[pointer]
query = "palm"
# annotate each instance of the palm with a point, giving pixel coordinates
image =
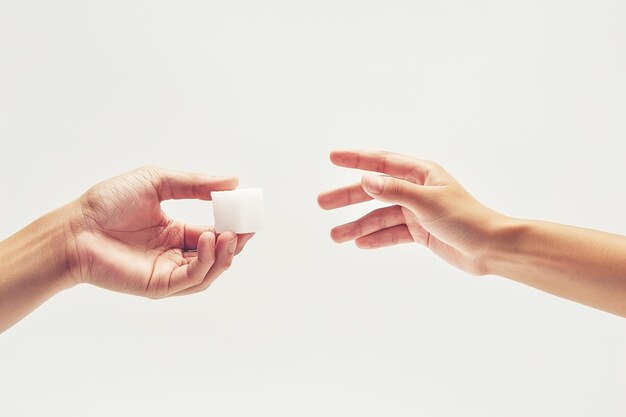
(134, 246)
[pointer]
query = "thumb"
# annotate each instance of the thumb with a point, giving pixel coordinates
(393, 190)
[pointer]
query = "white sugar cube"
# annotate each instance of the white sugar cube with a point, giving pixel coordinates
(238, 211)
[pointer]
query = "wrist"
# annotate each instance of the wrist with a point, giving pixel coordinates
(38, 254)
(71, 219)
(505, 244)
(57, 245)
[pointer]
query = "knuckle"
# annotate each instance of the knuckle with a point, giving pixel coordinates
(394, 188)
(435, 166)
(359, 227)
(92, 203)
(382, 222)
(381, 154)
(147, 170)
(433, 169)
(150, 173)
(92, 196)
(382, 157)
(349, 197)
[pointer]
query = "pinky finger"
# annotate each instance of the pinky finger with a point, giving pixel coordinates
(386, 237)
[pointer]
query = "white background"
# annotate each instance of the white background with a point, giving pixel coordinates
(523, 101)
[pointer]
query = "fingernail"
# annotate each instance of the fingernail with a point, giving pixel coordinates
(232, 245)
(374, 183)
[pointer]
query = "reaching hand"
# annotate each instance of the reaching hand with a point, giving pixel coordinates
(428, 207)
(122, 241)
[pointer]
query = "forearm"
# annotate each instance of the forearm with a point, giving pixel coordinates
(583, 265)
(34, 266)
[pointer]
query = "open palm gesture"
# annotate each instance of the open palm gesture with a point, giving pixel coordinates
(428, 206)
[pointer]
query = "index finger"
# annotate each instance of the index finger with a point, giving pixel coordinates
(176, 185)
(393, 164)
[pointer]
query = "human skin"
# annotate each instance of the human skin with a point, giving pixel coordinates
(429, 207)
(116, 236)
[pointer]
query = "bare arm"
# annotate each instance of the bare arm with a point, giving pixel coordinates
(583, 265)
(33, 267)
(428, 206)
(117, 237)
